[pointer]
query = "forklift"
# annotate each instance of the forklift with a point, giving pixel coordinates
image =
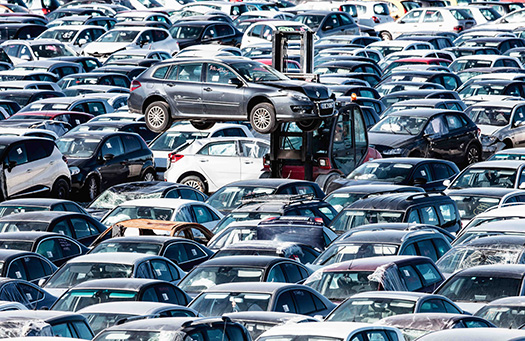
(336, 146)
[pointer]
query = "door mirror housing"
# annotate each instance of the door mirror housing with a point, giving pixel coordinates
(420, 181)
(446, 183)
(326, 28)
(108, 157)
(41, 282)
(82, 41)
(235, 81)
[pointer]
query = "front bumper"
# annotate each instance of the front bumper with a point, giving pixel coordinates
(291, 109)
(489, 149)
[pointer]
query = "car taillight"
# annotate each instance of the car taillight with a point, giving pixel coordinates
(324, 163)
(375, 19)
(175, 157)
(45, 11)
(458, 28)
(135, 85)
(266, 162)
(64, 158)
(479, 132)
(318, 220)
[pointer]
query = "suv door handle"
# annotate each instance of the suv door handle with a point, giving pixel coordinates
(52, 162)
(207, 89)
(203, 160)
(170, 84)
(29, 170)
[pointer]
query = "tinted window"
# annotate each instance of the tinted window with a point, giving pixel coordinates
(113, 146)
(276, 274)
(131, 143)
(412, 280)
(39, 149)
(285, 303)
(62, 227)
(81, 228)
(304, 301)
(18, 154)
(160, 268)
(176, 252)
(426, 248)
(429, 215)
(430, 273)
(17, 270)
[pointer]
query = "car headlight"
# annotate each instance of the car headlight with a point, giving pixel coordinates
(74, 170)
(395, 151)
(298, 96)
(485, 139)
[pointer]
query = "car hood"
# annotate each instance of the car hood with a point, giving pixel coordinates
(488, 129)
(389, 140)
(75, 162)
(313, 91)
(97, 48)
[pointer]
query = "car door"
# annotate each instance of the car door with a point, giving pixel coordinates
(135, 155)
(408, 23)
(460, 136)
(185, 255)
(183, 86)
(221, 93)
(114, 166)
(252, 154)
(41, 164)
(58, 250)
(17, 169)
(220, 162)
(517, 127)
(437, 134)
(432, 20)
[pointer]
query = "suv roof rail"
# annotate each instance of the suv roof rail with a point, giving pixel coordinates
(285, 198)
(425, 195)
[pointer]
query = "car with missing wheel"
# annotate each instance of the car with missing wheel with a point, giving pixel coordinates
(228, 88)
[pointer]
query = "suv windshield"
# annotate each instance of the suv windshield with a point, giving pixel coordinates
(485, 177)
(77, 147)
(370, 310)
(349, 219)
(480, 288)
(493, 116)
(217, 304)
(402, 124)
(116, 36)
(203, 278)
(384, 171)
(257, 72)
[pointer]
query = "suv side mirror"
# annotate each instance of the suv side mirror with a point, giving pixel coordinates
(41, 282)
(206, 37)
(143, 42)
(326, 28)
(108, 157)
(81, 42)
(235, 81)
(446, 183)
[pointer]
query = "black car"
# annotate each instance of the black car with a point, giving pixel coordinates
(439, 42)
(254, 268)
(25, 205)
(224, 89)
(25, 265)
(88, 63)
(406, 95)
(119, 289)
(493, 87)
(58, 248)
(188, 33)
(26, 293)
(75, 225)
(184, 252)
(428, 174)
(470, 51)
(125, 126)
(341, 196)
(98, 160)
(443, 134)
(61, 324)
(426, 208)
(26, 31)
(347, 67)
(116, 195)
(228, 197)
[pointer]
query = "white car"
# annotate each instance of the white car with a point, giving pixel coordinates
(426, 19)
(262, 32)
(342, 331)
(482, 14)
(74, 36)
(151, 38)
(209, 164)
(372, 13)
(164, 209)
(388, 47)
(33, 165)
(28, 50)
(181, 133)
(484, 61)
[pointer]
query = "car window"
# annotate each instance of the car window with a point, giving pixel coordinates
(430, 273)
(292, 272)
(276, 274)
(304, 301)
(62, 227)
(190, 72)
(412, 17)
(432, 306)
(83, 330)
(436, 127)
(412, 280)
(448, 212)
(429, 215)
(224, 30)
(441, 246)
(144, 271)
(150, 295)
(442, 171)
(72, 208)
(413, 217)
(131, 143)
(39, 149)
(285, 303)
(17, 154)
(451, 309)
(202, 214)
(161, 271)
(475, 324)
(81, 228)
(410, 250)
(453, 122)
(226, 148)
(193, 251)
(256, 31)
(426, 248)
(423, 172)
(344, 20)
(63, 330)
(216, 73)
(432, 16)
(112, 146)
(17, 270)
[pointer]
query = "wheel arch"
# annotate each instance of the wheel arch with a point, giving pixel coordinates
(195, 173)
(155, 98)
(256, 100)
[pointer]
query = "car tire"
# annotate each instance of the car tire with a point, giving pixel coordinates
(262, 118)
(202, 125)
(385, 35)
(309, 125)
(157, 116)
(92, 188)
(194, 181)
(60, 189)
(149, 176)
(472, 155)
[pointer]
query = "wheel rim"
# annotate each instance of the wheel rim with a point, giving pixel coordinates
(262, 118)
(385, 36)
(92, 188)
(195, 184)
(473, 155)
(156, 116)
(149, 177)
(61, 192)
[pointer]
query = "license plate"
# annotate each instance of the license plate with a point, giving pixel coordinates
(327, 105)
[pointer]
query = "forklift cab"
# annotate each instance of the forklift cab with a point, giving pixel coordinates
(336, 148)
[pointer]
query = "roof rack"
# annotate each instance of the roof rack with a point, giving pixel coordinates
(426, 195)
(396, 191)
(284, 198)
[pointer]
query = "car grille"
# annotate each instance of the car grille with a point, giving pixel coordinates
(325, 108)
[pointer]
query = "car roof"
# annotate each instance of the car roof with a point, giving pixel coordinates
(266, 316)
(513, 164)
(510, 225)
(133, 307)
(512, 150)
(29, 235)
(40, 202)
(518, 301)
(404, 295)
(385, 236)
(46, 315)
(483, 191)
(500, 242)
(40, 216)
(161, 202)
(504, 104)
(340, 330)
(370, 263)
(134, 284)
(396, 201)
(423, 321)
(422, 112)
(516, 271)
(255, 261)
(128, 258)
(260, 245)
(260, 287)
(143, 239)
(475, 334)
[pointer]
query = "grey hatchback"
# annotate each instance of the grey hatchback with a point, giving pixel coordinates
(223, 89)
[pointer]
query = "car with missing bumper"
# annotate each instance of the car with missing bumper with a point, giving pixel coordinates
(229, 88)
